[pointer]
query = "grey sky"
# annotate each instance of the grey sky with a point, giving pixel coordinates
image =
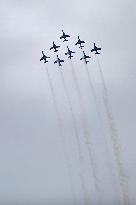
(32, 165)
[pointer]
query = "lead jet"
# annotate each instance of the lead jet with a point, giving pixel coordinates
(95, 49)
(59, 61)
(64, 36)
(69, 53)
(54, 47)
(44, 58)
(79, 42)
(85, 57)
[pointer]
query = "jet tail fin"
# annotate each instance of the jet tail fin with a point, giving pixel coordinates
(65, 40)
(97, 53)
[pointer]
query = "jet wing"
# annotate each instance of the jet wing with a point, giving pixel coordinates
(42, 59)
(82, 42)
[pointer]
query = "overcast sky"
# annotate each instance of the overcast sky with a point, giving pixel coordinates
(33, 169)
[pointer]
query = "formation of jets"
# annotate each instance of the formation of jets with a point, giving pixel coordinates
(69, 53)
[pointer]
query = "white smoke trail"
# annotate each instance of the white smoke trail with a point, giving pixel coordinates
(97, 107)
(60, 126)
(107, 151)
(115, 140)
(87, 136)
(81, 161)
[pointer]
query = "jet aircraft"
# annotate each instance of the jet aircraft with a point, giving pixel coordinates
(79, 42)
(44, 58)
(64, 36)
(59, 61)
(69, 53)
(95, 49)
(54, 47)
(85, 57)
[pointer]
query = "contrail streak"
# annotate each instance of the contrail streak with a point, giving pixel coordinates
(110, 166)
(115, 140)
(87, 135)
(83, 185)
(60, 126)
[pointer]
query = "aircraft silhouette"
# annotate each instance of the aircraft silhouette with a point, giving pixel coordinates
(95, 49)
(79, 42)
(64, 36)
(54, 47)
(69, 53)
(59, 61)
(85, 57)
(44, 58)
